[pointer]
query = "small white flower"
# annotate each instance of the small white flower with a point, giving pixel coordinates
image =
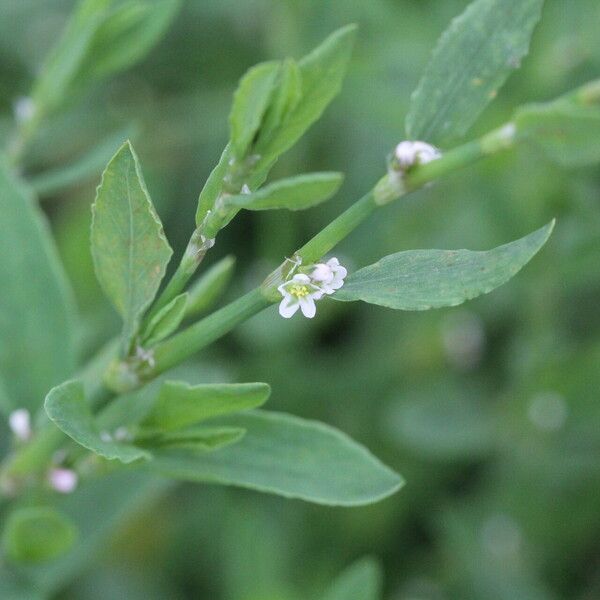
(329, 276)
(19, 422)
(63, 480)
(409, 153)
(299, 293)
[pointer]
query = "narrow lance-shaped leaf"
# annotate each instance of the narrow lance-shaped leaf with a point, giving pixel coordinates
(206, 291)
(125, 36)
(99, 40)
(179, 404)
(304, 91)
(67, 407)
(285, 98)
(63, 63)
(213, 185)
(250, 103)
(36, 534)
(424, 279)
(470, 63)
(360, 580)
(321, 74)
(37, 341)
(566, 129)
(288, 456)
(166, 321)
(128, 244)
(293, 193)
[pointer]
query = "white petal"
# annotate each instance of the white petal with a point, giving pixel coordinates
(322, 272)
(318, 294)
(308, 307)
(333, 262)
(288, 308)
(301, 278)
(340, 272)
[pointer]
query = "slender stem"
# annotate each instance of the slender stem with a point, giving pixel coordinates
(194, 254)
(178, 348)
(338, 229)
(183, 345)
(207, 330)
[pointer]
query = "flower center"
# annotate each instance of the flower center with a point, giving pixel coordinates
(299, 290)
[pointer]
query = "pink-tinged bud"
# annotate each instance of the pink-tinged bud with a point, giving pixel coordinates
(63, 481)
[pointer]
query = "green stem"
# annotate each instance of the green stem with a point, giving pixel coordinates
(392, 186)
(194, 254)
(338, 229)
(183, 345)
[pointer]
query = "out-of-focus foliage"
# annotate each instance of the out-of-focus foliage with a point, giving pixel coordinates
(490, 411)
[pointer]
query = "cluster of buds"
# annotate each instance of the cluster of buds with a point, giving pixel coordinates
(59, 478)
(302, 290)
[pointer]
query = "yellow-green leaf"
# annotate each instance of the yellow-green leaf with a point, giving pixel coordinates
(166, 321)
(250, 102)
(179, 404)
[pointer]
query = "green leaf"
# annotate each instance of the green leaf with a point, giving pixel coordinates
(470, 63)
(128, 244)
(360, 580)
(179, 404)
(284, 98)
(287, 94)
(569, 133)
(250, 102)
(37, 345)
(291, 457)
(99, 40)
(60, 69)
(293, 193)
(125, 36)
(213, 185)
(424, 279)
(68, 409)
(202, 439)
(166, 321)
(321, 74)
(37, 534)
(205, 292)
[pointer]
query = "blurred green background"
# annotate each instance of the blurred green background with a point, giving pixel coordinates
(491, 411)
